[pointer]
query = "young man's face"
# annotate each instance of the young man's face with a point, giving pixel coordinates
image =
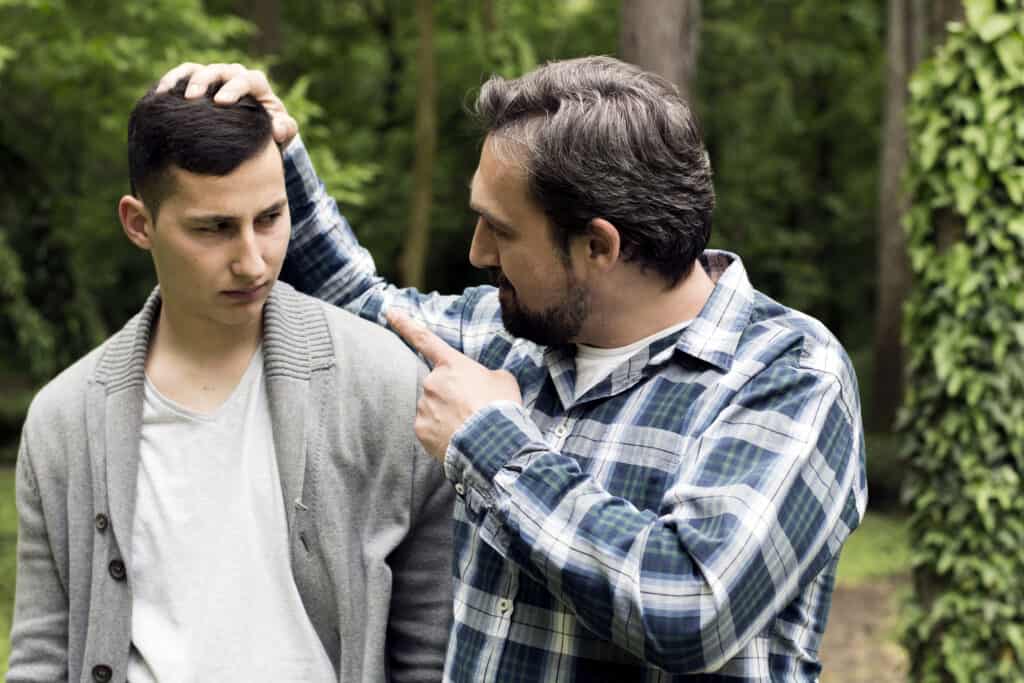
(541, 298)
(219, 241)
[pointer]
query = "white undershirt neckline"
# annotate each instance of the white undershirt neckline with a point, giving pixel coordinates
(594, 363)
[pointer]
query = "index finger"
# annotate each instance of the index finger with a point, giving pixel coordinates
(179, 72)
(202, 78)
(434, 349)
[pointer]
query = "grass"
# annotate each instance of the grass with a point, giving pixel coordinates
(8, 537)
(879, 547)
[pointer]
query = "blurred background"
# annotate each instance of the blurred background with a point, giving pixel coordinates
(804, 106)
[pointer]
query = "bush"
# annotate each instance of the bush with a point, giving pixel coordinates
(963, 418)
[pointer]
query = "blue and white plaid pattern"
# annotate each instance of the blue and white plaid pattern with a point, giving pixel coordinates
(684, 516)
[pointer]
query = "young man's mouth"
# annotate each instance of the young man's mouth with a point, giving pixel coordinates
(248, 293)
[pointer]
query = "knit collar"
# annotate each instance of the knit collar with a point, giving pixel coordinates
(296, 340)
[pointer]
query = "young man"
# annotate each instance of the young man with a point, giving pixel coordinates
(656, 465)
(229, 488)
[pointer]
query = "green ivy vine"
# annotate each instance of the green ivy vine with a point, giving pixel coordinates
(963, 417)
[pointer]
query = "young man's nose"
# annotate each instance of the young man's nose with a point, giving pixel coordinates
(248, 259)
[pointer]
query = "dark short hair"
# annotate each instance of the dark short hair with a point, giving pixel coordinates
(600, 138)
(165, 130)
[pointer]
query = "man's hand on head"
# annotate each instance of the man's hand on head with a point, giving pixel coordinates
(238, 81)
(456, 388)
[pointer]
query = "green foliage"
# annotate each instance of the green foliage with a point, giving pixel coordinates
(358, 64)
(71, 71)
(963, 419)
(790, 96)
(14, 402)
(76, 69)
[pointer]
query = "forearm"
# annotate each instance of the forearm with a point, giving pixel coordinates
(325, 260)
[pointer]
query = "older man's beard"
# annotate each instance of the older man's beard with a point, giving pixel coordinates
(553, 326)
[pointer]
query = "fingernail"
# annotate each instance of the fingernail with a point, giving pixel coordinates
(191, 90)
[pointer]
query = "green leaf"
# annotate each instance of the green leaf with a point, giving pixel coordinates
(978, 12)
(1016, 228)
(6, 54)
(1010, 51)
(996, 25)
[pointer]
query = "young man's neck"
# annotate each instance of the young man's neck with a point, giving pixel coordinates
(633, 305)
(197, 363)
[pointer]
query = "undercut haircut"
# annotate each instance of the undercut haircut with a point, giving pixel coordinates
(167, 131)
(600, 138)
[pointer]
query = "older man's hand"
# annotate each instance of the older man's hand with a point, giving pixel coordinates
(456, 388)
(238, 81)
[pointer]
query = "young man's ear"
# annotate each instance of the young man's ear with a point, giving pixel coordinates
(601, 243)
(136, 221)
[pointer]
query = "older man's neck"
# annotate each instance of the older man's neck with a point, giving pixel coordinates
(633, 305)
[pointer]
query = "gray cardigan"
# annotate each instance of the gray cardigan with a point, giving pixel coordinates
(369, 513)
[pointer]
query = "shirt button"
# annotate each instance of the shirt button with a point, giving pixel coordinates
(561, 431)
(460, 489)
(101, 673)
(504, 606)
(117, 571)
(102, 522)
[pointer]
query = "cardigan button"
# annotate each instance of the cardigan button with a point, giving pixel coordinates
(102, 522)
(117, 570)
(101, 673)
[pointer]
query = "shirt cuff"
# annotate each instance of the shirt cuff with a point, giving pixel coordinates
(496, 437)
(301, 182)
(293, 149)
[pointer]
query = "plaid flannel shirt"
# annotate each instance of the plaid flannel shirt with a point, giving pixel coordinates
(682, 517)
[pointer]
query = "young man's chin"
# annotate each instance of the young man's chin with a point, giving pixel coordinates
(233, 312)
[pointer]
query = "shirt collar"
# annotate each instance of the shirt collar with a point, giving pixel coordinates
(711, 337)
(715, 333)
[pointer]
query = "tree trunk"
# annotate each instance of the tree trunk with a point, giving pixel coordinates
(914, 28)
(414, 256)
(662, 36)
(266, 14)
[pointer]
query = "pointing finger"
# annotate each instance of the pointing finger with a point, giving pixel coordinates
(434, 349)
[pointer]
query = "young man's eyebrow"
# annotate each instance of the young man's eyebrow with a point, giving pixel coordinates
(224, 218)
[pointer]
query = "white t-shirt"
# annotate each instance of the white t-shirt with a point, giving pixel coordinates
(593, 363)
(213, 597)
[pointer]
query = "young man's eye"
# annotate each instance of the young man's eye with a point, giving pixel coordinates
(269, 218)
